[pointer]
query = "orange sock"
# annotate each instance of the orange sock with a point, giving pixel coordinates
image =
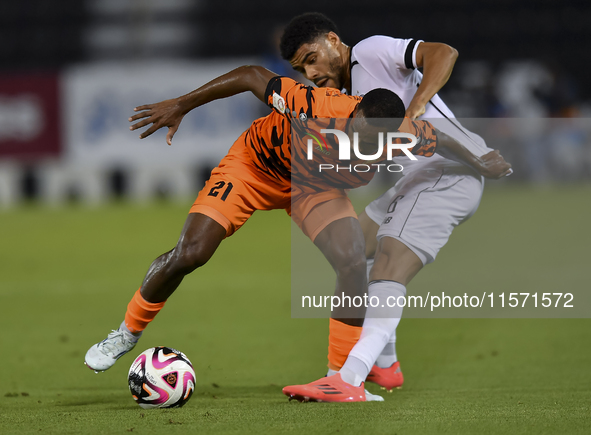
(140, 312)
(341, 339)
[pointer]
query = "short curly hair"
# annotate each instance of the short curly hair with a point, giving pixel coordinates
(304, 29)
(382, 104)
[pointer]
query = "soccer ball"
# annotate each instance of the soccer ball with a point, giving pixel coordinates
(161, 377)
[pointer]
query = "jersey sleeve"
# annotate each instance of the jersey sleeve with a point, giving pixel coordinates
(290, 98)
(393, 52)
(426, 136)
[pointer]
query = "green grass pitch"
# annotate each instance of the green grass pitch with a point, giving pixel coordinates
(67, 275)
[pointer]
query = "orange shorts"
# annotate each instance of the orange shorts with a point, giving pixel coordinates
(236, 188)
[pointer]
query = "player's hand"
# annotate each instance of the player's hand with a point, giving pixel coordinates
(414, 111)
(167, 113)
(493, 165)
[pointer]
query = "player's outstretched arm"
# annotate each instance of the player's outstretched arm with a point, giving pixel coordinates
(491, 165)
(437, 61)
(170, 113)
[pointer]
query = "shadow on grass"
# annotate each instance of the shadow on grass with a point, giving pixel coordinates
(122, 399)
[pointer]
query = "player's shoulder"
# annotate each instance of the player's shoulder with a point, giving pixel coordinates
(333, 92)
(299, 90)
(291, 98)
(372, 41)
(279, 84)
(330, 102)
(278, 88)
(378, 43)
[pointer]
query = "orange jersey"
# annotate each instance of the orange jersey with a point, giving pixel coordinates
(269, 138)
(270, 144)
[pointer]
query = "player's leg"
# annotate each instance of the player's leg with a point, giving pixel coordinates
(348, 384)
(344, 333)
(332, 225)
(342, 244)
(381, 319)
(380, 322)
(370, 228)
(329, 220)
(335, 230)
(370, 220)
(200, 237)
(394, 267)
(418, 222)
(370, 231)
(230, 196)
(396, 263)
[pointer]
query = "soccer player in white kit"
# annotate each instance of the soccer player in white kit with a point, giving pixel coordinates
(407, 226)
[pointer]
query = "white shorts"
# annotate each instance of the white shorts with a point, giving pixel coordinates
(424, 207)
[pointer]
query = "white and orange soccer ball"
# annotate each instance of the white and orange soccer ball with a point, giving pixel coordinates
(161, 377)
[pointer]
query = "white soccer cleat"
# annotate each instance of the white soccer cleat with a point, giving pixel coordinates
(372, 397)
(104, 355)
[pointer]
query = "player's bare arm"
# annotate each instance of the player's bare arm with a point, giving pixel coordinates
(491, 165)
(170, 113)
(437, 61)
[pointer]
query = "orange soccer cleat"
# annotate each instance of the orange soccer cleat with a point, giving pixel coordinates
(327, 389)
(386, 378)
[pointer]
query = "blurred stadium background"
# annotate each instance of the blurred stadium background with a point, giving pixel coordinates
(72, 71)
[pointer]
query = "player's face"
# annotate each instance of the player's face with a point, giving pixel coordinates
(320, 62)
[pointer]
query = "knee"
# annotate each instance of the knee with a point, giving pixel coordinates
(386, 267)
(352, 262)
(394, 261)
(186, 257)
(382, 263)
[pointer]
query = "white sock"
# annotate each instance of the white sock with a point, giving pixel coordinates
(388, 355)
(354, 371)
(123, 327)
(380, 322)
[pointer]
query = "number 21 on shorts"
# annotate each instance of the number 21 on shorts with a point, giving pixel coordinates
(215, 190)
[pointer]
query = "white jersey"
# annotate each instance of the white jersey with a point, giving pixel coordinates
(390, 63)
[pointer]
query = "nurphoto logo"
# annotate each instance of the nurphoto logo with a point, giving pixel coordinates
(393, 142)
